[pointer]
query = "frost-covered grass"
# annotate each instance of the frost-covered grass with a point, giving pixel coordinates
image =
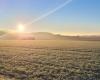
(50, 60)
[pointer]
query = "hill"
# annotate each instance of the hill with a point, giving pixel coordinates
(2, 32)
(45, 36)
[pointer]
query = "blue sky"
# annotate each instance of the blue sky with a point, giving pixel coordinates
(78, 17)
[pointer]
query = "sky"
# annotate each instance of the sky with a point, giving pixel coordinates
(76, 18)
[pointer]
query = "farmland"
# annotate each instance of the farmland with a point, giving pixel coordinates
(49, 60)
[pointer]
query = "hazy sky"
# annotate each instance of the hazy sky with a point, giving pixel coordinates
(78, 17)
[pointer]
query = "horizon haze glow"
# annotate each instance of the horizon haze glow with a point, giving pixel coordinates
(79, 17)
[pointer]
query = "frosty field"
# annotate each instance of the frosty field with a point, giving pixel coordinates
(49, 60)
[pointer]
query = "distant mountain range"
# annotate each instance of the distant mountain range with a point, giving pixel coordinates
(44, 36)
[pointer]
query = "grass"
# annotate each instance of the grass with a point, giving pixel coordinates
(49, 60)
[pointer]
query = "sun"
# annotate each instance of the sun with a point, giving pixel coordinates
(21, 28)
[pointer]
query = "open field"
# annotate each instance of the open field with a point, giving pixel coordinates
(49, 60)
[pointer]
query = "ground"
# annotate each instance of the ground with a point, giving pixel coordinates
(49, 60)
